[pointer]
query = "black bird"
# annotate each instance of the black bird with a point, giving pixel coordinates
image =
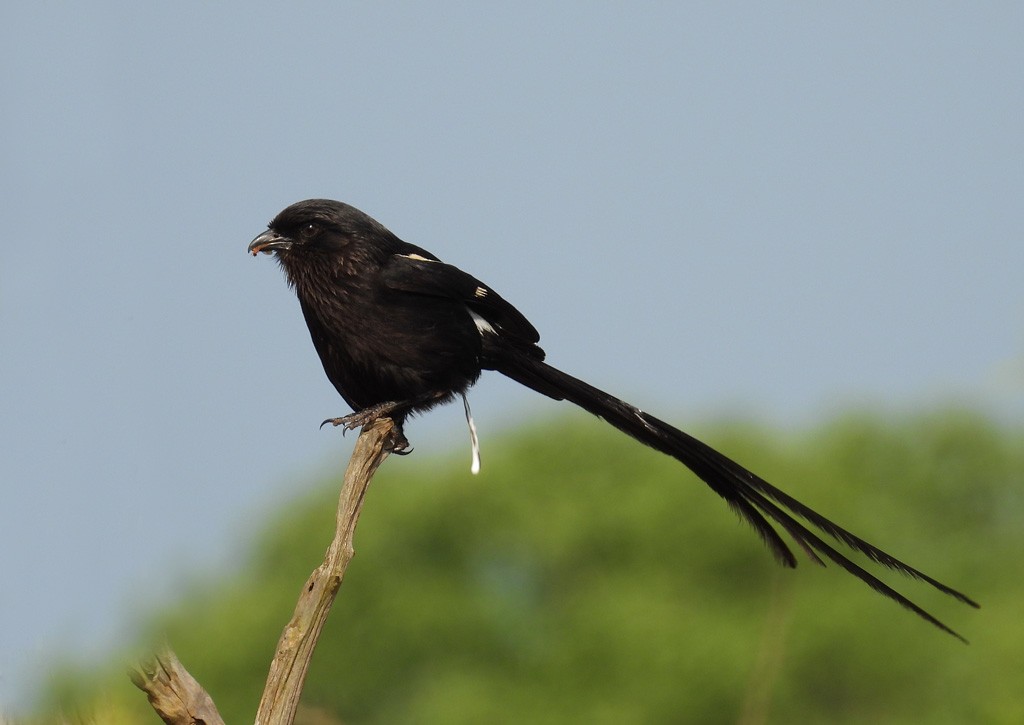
(399, 331)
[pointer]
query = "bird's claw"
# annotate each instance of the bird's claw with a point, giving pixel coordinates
(399, 445)
(348, 421)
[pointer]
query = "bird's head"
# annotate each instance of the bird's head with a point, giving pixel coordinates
(315, 225)
(299, 226)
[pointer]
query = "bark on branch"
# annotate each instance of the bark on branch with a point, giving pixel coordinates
(180, 700)
(174, 694)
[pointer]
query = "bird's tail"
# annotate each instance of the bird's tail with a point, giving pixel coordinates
(754, 499)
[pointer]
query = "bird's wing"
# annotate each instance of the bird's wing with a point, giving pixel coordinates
(419, 272)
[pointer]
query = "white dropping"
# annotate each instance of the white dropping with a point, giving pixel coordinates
(482, 325)
(473, 439)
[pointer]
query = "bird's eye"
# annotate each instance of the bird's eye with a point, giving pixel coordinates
(310, 230)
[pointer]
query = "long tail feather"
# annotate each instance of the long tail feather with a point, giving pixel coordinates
(753, 498)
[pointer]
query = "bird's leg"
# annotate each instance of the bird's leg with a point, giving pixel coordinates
(387, 409)
(364, 416)
(367, 415)
(400, 446)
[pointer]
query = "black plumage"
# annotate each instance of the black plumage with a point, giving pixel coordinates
(399, 331)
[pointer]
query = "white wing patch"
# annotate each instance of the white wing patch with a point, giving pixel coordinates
(482, 325)
(480, 292)
(416, 257)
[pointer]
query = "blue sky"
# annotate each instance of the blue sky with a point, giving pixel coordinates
(710, 209)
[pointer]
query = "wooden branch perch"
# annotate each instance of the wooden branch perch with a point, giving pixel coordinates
(299, 638)
(174, 694)
(180, 700)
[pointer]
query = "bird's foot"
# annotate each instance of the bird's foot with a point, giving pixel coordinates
(361, 418)
(350, 421)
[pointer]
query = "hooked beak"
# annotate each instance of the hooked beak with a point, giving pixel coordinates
(269, 241)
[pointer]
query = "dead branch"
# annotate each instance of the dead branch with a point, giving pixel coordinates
(180, 700)
(299, 638)
(175, 695)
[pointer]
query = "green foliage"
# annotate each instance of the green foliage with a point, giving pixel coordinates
(583, 578)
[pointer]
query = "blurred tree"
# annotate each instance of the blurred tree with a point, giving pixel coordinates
(583, 578)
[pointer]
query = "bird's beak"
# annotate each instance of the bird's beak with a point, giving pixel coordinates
(268, 242)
